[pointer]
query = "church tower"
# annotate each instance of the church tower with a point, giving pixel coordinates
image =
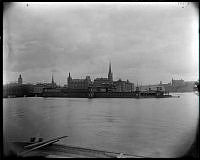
(20, 79)
(52, 80)
(69, 79)
(110, 74)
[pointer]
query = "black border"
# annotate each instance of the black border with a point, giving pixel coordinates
(194, 150)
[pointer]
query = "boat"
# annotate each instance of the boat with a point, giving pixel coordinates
(51, 149)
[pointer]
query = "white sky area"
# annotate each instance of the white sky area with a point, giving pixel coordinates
(145, 42)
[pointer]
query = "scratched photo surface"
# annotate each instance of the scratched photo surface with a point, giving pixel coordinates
(98, 72)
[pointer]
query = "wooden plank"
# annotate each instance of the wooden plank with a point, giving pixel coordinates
(40, 143)
(40, 146)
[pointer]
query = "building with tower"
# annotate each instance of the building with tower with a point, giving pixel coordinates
(108, 85)
(104, 84)
(99, 84)
(69, 80)
(53, 84)
(78, 83)
(20, 81)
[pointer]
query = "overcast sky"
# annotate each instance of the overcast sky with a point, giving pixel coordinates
(145, 42)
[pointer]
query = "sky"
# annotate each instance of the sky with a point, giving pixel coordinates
(145, 42)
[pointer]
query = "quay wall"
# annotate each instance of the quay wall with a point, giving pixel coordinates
(85, 94)
(114, 94)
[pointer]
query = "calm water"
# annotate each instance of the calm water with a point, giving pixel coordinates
(150, 127)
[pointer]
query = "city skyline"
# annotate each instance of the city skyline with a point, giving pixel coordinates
(83, 38)
(82, 78)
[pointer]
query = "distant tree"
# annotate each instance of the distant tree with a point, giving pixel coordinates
(196, 86)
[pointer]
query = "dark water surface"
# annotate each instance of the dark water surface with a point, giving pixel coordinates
(155, 127)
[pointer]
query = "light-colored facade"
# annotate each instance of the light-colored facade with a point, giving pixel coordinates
(176, 83)
(149, 88)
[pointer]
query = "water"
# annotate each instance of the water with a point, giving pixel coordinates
(162, 127)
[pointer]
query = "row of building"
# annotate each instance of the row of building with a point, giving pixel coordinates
(101, 84)
(98, 85)
(20, 89)
(106, 84)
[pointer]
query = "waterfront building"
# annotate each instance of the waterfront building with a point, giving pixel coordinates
(179, 86)
(104, 84)
(45, 85)
(123, 86)
(100, 81)
(152, 88)
(38, 88)
(108, 85)
(78, 83)
(168, 87)
(12, 89)
(17, 90)
(52, 90)
(177, 83)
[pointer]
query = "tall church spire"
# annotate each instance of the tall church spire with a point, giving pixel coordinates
(109, 68)
(110, 75)
(69, 79)
(52, 82)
